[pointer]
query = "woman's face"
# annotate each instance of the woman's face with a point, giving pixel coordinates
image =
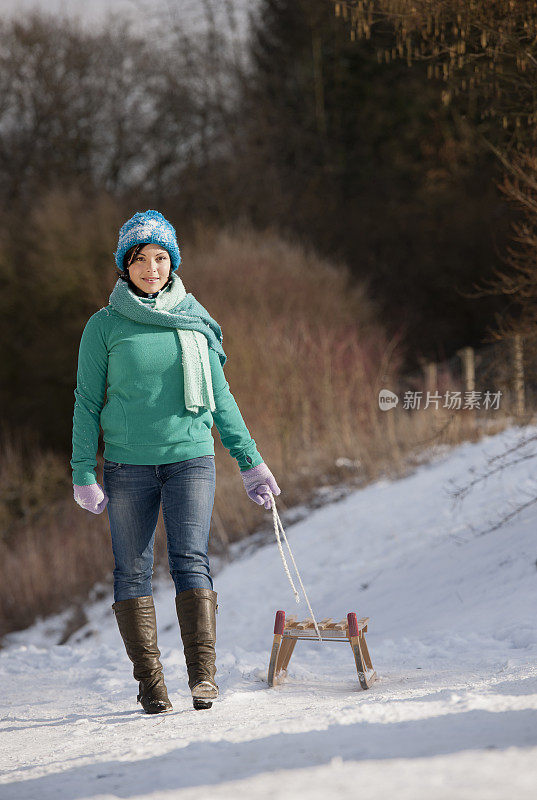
(151, 268)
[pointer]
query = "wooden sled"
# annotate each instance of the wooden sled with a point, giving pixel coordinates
(288, 631)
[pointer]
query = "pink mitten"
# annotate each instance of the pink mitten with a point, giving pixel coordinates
(257, 482)
(91, 497)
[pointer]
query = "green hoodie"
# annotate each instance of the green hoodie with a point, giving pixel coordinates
(145, 420)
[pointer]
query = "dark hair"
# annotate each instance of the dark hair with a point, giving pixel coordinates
(128, 258)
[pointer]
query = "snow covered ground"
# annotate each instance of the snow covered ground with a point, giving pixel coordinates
(452, 635)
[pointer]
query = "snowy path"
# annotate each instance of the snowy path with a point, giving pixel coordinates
(453, 637)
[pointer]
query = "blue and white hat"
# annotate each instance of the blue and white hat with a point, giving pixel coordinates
(148, 227)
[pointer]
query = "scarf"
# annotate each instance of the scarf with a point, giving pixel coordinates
(197, 331)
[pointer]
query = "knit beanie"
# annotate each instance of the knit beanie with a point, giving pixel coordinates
(148, 227)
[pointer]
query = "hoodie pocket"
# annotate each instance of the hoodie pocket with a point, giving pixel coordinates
(114, 421)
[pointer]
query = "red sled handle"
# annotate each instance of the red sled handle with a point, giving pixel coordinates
(279, 622)
(353, 624)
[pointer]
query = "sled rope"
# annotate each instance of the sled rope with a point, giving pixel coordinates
(278, 524)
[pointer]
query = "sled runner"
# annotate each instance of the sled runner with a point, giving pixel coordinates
(288, 631)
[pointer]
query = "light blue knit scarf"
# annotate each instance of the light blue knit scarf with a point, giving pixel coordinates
(197, 330)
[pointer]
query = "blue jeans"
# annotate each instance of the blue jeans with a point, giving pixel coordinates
(135, 491)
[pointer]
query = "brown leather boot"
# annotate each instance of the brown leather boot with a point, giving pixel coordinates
(196, 612)
(138, 627)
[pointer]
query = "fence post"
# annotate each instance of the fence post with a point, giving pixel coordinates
(466, 354)
(431, 376)
(392, 435)
(518, 379)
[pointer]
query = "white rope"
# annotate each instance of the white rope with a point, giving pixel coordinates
(277, 522)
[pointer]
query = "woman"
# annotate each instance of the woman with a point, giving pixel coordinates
(158, 355)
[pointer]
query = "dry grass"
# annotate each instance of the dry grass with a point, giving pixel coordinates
(51, 551)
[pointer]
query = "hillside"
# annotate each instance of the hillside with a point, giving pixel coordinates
(453, 637)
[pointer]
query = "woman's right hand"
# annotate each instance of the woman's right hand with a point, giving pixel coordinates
(91, 497)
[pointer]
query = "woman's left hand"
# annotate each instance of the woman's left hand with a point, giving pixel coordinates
(257, 482)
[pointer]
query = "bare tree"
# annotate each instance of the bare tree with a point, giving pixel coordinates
(484, 53)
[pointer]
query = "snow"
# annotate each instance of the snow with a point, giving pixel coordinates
(452, 636)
